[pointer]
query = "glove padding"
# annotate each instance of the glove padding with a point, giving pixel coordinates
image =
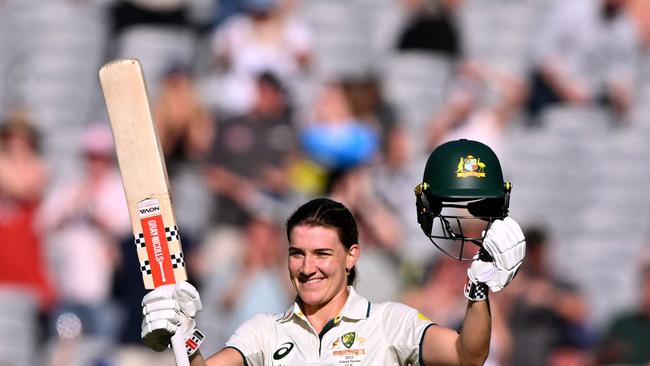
(506, 245)
(166, 310)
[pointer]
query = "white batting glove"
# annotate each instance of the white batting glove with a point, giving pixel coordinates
(169, 309)
(506, 245)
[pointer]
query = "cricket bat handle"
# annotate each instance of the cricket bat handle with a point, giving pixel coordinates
(180, 353)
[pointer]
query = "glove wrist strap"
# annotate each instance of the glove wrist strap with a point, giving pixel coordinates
(193, 341)
(476, 291)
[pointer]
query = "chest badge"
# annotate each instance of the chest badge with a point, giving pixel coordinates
(348, 339)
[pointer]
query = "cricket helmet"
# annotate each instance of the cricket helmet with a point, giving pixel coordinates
(461, 194)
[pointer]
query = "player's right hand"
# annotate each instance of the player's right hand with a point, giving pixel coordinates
(506, 244)
(167, 310)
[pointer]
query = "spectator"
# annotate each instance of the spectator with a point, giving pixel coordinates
(186, 130)
(185, 127)
(248, 175)
(334, 137)
(628, 335)
(250, 159)
(431, 27)
(480, 107)
(586, 55)
(547, 315)
(235, 290)
(27, 295)
(158, 33)
(367, 102)
(23, 180)
(85, 218)
(267, 36)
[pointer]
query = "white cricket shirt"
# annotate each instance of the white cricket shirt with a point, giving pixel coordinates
(363, 333)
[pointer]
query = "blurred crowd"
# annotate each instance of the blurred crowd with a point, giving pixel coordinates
(262, 104)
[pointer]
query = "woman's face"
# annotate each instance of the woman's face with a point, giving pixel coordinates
(317, 264)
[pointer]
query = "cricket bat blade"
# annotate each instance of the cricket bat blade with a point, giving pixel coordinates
(143, 171)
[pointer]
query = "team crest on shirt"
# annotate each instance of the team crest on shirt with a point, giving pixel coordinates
(348, 339)
(349, 344)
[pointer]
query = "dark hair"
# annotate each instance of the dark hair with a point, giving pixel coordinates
(272, 80)
(331, 214)
(19, 123)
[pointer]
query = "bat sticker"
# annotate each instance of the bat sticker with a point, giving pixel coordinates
(155, 238)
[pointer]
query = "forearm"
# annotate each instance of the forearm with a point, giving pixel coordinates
(506, 246)
(473, 344)
(444, 346)
(197, 359)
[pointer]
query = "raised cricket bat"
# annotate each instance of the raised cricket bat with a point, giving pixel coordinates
(144, 177)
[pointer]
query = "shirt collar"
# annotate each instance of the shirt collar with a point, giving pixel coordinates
(356, 308)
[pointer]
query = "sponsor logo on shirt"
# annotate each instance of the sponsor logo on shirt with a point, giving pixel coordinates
(283, 351)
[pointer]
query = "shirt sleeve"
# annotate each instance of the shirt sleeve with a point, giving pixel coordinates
(403, 330)
(251, 337)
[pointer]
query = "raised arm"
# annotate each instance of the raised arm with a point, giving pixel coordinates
(441, 346)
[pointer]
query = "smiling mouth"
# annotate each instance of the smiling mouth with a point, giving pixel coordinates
(311, 280)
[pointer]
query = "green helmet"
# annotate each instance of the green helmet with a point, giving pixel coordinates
(462, 185)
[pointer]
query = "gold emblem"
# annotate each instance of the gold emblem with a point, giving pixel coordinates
(470, 167)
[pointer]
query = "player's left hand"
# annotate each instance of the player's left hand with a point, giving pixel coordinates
(506, 245)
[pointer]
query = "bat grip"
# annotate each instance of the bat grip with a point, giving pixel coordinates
(484, 255)
(180, 353)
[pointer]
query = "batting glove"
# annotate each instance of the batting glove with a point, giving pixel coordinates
(506, 245)
(169, 309)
